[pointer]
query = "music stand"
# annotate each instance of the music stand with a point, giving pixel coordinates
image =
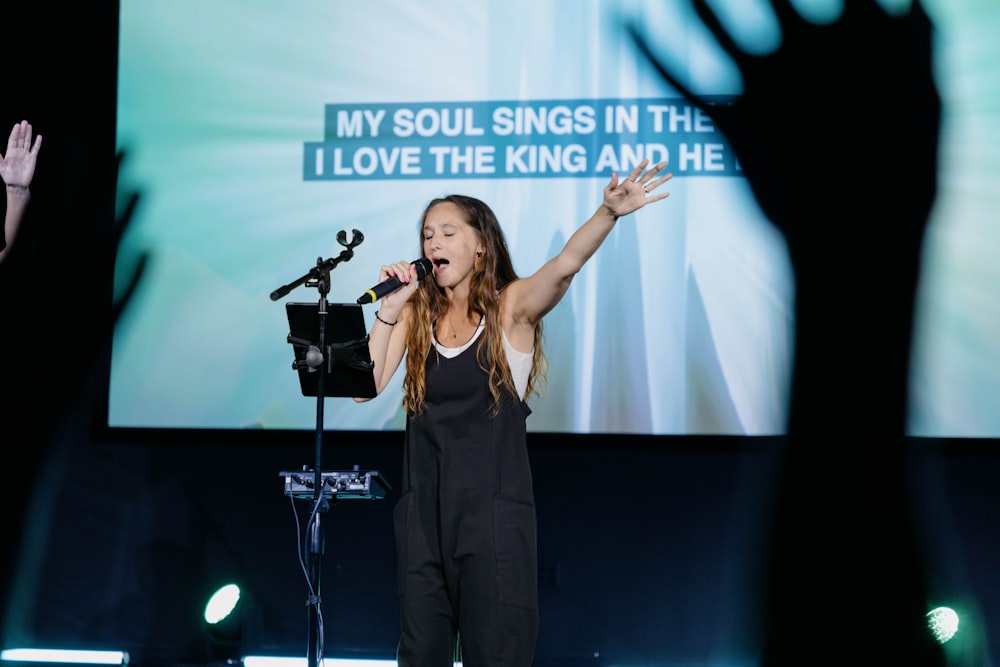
(348, 367)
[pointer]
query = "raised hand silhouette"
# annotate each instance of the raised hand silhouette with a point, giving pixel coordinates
(837, 134)
(851, 105)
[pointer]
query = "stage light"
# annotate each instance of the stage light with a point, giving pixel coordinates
(68, 656)
(276, 661)
(943, 623)
(224, 625)
(222, 604)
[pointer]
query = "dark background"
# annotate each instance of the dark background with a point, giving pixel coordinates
(649, 547)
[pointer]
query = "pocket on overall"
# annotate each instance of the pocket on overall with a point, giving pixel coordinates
(514, 533)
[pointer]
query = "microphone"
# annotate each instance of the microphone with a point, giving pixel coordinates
(423, 267)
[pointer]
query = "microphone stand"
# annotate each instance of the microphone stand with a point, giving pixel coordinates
(319, 277)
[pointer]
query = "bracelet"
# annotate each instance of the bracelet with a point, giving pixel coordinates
(391, 324)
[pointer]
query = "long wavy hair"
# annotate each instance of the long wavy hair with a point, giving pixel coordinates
(492, 274)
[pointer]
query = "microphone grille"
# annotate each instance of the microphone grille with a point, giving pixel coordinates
(423, 267)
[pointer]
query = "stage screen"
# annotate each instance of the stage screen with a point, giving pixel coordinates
(256, 132)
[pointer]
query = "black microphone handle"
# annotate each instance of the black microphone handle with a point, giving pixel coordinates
(423, 267)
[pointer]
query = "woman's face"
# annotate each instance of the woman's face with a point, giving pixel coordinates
(451, 243)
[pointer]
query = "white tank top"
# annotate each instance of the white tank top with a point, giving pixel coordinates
(518, 362)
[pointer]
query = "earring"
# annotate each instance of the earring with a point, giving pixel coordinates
(479, 260)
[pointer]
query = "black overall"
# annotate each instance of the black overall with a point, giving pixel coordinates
(466, 548)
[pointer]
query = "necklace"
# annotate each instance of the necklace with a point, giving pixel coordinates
(454, 330)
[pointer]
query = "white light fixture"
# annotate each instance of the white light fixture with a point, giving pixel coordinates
(64, 656)
(276, 661)
(222, 603)
(943, 622)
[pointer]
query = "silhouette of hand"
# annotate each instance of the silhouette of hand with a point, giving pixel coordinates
(836, 127)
